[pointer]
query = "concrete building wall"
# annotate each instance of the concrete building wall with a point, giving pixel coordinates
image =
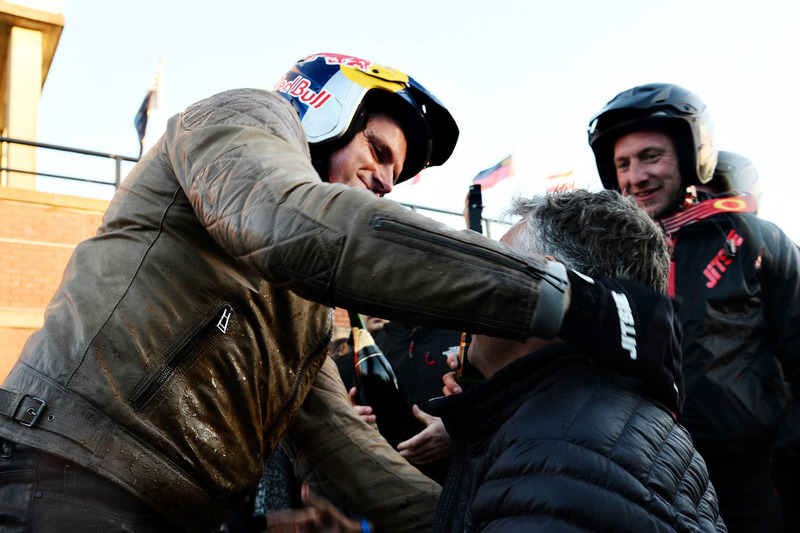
(29, 34)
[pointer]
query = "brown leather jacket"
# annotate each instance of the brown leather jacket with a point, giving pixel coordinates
(184, 336)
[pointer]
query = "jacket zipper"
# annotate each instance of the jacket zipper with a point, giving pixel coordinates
(410, 231)
(445, 514)
(312, 355)
(217, 322)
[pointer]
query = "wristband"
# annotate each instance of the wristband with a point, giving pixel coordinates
(365, 526)
(552, 303)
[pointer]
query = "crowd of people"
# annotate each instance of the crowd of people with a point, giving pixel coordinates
(639, 344)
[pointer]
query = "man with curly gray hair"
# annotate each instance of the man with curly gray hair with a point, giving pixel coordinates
(597, 234)
(552, 441)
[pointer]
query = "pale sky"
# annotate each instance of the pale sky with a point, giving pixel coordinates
(520, 76)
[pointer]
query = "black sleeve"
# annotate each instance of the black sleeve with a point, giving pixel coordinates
(629, 328)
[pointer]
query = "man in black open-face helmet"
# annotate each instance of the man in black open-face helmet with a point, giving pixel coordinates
(736, 280)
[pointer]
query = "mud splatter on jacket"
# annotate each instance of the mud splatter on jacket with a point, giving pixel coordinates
(184, 336)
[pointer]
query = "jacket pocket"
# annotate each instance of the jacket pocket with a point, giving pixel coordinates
(214, 326)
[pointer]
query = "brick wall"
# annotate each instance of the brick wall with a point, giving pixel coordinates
(38, 232)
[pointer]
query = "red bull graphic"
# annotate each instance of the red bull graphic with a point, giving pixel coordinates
(299, 87)
(340, 59)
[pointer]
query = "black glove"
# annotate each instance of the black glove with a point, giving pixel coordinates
(629, 328)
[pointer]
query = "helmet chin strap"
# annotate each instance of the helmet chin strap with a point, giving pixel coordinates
(321, 161)
(682, 201)
(322, 166)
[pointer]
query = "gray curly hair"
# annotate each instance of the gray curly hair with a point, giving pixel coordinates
(600, 234)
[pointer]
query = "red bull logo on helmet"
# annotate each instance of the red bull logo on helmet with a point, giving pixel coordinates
(300, 87)
(341, 59)
(354, 68)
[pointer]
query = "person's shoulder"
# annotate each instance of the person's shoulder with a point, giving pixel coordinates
(247, 94)
(600, 394)
(600, 415)
(766, 233)
(254, 107)
(763, 224)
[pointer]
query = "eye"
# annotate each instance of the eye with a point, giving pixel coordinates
(378, 151)
(651, 157)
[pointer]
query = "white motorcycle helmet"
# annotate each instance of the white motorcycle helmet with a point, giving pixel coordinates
(334, 94)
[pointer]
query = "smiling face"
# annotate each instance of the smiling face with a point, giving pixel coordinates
(647, 169)
(373, 159)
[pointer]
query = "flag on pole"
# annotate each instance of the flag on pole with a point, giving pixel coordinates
(150, 102)
(141, 117)
(561, 182)
(417, 177)
(489, 177)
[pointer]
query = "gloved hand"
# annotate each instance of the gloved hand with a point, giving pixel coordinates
(627, 327)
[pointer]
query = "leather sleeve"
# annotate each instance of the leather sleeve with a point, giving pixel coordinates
(242, 160)
(350, 463)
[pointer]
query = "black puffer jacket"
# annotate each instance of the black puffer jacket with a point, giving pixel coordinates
(740, 310)
(554, 443)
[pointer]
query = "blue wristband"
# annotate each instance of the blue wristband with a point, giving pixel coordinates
(365, 526)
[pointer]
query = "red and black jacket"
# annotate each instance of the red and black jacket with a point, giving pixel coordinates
(736, 282)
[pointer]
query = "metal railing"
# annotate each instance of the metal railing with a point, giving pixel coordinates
(118, 159)
(486, 223)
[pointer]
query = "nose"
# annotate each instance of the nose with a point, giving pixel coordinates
(382, 180)
(637, 172)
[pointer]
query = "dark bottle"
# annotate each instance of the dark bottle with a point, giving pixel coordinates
(467, 375)
(378, 387)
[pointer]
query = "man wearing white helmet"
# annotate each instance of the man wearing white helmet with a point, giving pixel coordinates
(736, 281)
(734, 175)
(187, 334)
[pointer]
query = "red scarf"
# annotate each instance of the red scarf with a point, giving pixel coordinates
(694, 212)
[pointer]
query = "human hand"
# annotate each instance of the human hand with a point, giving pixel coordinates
(629, 328)
(451, 385)
(364, 411)
(373, 323)
(452, 358)
(430, 444)
(319, 516)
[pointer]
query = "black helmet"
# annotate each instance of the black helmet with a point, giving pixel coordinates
(334, 95)
(662, 107)
(735, 172)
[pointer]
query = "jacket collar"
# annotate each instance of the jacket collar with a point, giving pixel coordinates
(479, 411)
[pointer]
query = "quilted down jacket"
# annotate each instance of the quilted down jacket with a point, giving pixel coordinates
(554, 443)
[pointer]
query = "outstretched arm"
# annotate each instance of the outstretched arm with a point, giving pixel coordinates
(242, 160)
(349, 462)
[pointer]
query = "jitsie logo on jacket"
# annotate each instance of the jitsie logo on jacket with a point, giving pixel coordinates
(222, 324)
(722, 259)
(627, 331)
